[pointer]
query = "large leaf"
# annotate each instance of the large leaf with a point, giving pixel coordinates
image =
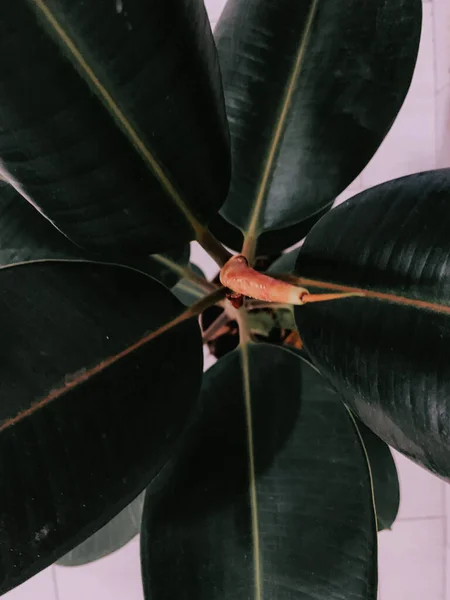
(273, 499)
(93, 402)
(112, 119)
(387, 353)
(26, 235)
(113, 536)
(311, 89)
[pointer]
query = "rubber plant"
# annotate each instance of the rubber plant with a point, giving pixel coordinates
(129, 130)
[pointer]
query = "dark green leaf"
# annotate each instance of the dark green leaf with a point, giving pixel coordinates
(166, 267)
(285, 264)
(188, 291)
(197, 270)
(384, 472)
(279, 509)
(269, 242)
(93, 404)
(26, 235)
(112, 119)
(384, 477)
(311, 89)
(387, 354)
(115, 534)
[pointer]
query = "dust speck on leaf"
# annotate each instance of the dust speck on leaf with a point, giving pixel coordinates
(119, 6)
(42, 533)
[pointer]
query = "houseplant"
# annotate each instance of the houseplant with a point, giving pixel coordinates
(114, 128)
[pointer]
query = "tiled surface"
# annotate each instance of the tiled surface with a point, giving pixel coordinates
(40, 587)
(441, 39)
(200, 258)
(443, 127)
(411, 561)
(214, 8)
(116, 577)
(422, 493)
(414, 557)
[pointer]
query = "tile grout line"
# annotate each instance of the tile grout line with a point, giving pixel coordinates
(445, 549)
(435, 82)
(55, 583)
(413, 519)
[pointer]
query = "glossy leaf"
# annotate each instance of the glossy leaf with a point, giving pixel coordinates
(125, 147)
(167, 267)
(385, 482)
(281, 508)
(26, 235)
(384, 477)
(387, 353)
(113, 536)
(311, 89)
(93, 402)
(188, 291)
(269, 242)
(285, 264)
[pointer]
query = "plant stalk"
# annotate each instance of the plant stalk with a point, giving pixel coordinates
(214, 329)
(212, 246)
(238, 276)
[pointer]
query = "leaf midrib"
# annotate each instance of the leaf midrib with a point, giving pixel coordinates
(368, 293)
(83, 375)
(127, 128)
(257, 569)
(252, 229)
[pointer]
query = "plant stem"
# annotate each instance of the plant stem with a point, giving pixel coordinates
(201, 305)
(212, 246)
(204, 284)
(238, 276)
(249, 248)
(244, 332)
(256, 304)
(185, 272)
(210, 333)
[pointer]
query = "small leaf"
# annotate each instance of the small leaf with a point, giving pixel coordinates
(26, 235)
(272, 499)
(93, 402)
(387, 353)
(125, 147)
(188, 291)
(311, 89)
(115, 534)
(167, 272)
(285, 264)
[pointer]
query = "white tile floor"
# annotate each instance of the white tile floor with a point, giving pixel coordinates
(415, 556)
